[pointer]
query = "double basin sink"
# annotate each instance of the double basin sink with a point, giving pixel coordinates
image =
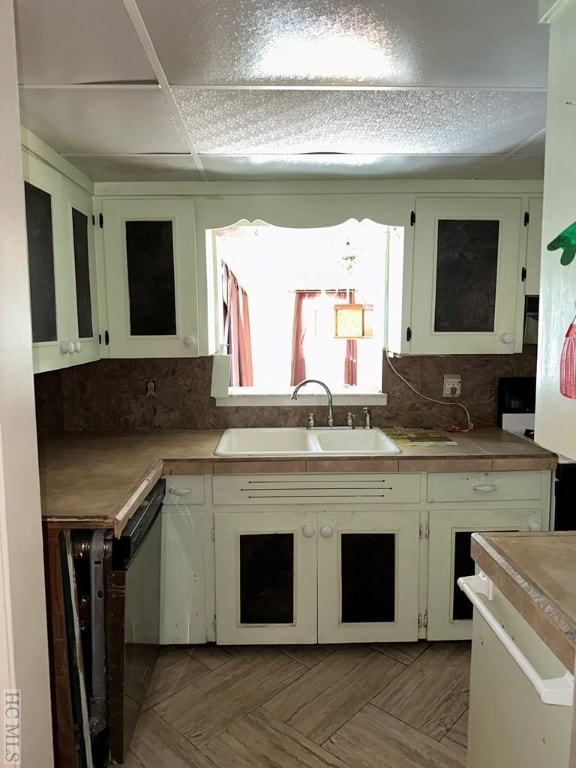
(298, 441)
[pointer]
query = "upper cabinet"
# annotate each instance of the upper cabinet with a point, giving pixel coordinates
(151, 284)
(466, 278)
(61, 267)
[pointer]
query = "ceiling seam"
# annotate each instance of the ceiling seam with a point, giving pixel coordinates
(498, 159)
(140, 28)
(301, 87)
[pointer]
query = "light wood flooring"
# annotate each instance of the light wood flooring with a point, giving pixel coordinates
(400, 705)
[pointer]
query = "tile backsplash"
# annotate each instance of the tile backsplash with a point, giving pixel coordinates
(111, 395)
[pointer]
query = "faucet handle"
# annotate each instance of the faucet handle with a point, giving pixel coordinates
(311, 421)
(367, 418)
(350, 420)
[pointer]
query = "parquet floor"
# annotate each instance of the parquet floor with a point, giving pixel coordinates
(351, 706)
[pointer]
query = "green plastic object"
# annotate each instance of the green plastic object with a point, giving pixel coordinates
(567, 241)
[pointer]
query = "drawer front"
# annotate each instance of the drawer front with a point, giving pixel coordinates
(484, 486)
(184, 489)
(317, 489)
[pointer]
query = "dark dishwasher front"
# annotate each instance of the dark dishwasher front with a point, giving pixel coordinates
(133, 626)
(118, 592)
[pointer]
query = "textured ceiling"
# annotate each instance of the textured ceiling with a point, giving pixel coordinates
(249, 89)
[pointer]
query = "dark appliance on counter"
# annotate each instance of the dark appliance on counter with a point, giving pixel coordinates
(118, 592)
(516, 406)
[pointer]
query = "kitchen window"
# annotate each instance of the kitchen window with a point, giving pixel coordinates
(302, 303)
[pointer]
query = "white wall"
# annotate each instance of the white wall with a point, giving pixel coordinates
(556, 414)
(23, 642)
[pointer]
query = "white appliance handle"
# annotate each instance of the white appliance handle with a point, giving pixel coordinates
(557, 690)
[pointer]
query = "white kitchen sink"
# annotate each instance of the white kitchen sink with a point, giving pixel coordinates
(298, 441)
(366, 441)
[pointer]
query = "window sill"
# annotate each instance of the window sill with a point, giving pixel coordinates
(241, 399)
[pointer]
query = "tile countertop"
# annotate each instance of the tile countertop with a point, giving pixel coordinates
(537, 573)
(97, 480)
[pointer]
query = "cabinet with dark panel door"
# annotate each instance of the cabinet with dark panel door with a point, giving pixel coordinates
(61, 268)
(151, 285)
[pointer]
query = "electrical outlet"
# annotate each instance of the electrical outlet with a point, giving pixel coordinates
(150, 388)
(452, 385)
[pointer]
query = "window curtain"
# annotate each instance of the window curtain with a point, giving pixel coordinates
(350, 362)
(350, 358)
(298, 372)
(237, 330)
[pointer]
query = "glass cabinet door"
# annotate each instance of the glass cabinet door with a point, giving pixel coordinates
(467, 281)
(266, 577)
(80, 238)
(449, 610)
(368, 570)
(78, 281)
(151, 285)
(41, 263)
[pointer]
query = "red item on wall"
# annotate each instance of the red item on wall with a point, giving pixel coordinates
(568, 363)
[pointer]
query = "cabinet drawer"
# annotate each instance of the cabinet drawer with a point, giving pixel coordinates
(484, 486)
(184, 489)
(317, 489)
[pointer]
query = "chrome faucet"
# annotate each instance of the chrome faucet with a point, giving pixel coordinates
(330, 420)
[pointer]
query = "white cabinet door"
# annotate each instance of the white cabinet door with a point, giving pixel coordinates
(151, 285)
(368, 576)
(266, 582)
(449, 611)
(534, 247)
(82, 301)
(183, 590)
(62, 269)
(467, 286)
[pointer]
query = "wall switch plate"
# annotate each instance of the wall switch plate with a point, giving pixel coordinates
(452, 385)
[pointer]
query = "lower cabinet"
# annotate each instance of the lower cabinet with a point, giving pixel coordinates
(183, 605)
(332, 558)
(449, 615)
(307, 576)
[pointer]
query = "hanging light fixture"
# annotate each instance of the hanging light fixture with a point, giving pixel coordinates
(352, 320)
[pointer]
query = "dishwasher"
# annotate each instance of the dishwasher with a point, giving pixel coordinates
(118, 592)
(521, 696)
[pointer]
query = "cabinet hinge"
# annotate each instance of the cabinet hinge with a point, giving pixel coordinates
(214, 623)
(523, 274)
(408, 334)
(412, 218)
(424, 531)
(101, 220)
(526, 218)
(213, 534)
(422, 620)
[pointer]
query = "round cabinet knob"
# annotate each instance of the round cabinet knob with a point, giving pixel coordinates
(507, 338)
(535, 525)
(77, 346)
(308, 531)
(189, 341)
(326, 531)
(64, 347)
